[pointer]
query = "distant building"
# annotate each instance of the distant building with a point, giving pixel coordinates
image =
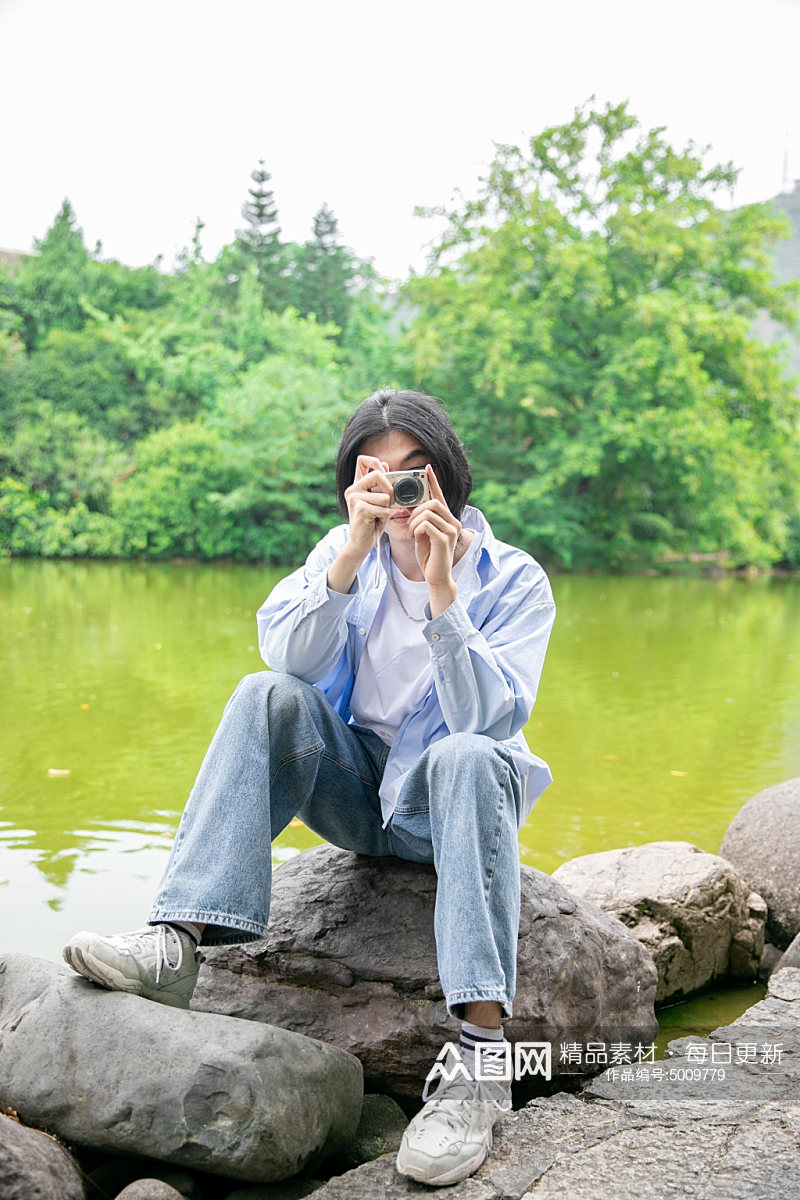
(12, 258)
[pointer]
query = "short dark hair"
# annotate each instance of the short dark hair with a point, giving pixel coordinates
(419, 415)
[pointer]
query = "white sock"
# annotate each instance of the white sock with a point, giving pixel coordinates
(194, 931)
(472, 1034)
(495, 1061)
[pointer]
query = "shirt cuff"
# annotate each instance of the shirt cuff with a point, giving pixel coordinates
(319, 595)
(341, 600)
(453, 625)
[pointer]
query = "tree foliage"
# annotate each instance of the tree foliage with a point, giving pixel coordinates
(592, 312)
(589, 318)
(192, 414)
(52, 281)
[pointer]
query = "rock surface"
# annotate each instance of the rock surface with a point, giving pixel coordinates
(380, 1131)
(110, 1177)
(290, 1189)
(791, 956)
(763, 843)
(119, 1073)
(350, 958)
(34, 1166)
(149, 1189)
(692, 911)
(647, 1139)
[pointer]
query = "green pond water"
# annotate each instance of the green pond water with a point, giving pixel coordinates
(665, 704)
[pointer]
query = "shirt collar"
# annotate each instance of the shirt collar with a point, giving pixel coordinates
(473, 518)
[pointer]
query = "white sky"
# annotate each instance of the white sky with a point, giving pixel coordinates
(150, 114)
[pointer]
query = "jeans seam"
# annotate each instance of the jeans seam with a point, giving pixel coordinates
(288, 759)
(492, 863)
(343, 766)
(320, 749)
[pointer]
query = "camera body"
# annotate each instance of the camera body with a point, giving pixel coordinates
(409, 488)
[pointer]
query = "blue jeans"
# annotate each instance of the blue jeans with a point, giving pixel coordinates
(281, 750)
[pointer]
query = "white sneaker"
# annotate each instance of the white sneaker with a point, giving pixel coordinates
(158, 962)
(452, 1135)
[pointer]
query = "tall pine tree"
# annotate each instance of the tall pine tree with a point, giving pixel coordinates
(324, 273)
(52, 281)
(260, 242)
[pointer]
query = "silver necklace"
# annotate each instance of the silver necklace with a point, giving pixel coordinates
(395, 589)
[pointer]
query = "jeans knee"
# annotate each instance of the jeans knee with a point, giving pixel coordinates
(270, 690)
(465, 767)
(458, 751)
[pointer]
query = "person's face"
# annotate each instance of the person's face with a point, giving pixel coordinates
(401, 452)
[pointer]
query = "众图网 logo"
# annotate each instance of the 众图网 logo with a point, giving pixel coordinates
(494, 1062)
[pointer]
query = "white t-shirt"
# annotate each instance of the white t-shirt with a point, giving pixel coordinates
(394, 675)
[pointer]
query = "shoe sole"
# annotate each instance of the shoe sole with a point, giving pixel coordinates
(100, 973)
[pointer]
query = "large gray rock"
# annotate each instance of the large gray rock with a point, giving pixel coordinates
(350, 958)
(119, 1073)
(34, 1166)
(657, 1137)
(763, 843)
(692, 911)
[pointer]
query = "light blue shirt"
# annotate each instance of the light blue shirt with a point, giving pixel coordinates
(487, 649)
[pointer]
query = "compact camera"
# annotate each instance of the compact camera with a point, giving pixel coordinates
(409, 488)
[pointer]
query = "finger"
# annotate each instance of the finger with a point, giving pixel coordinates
(374, 478)
(368, 504)
(366, 463)
(443, 535)
(443, 521)
(439, 507)
(433, 485)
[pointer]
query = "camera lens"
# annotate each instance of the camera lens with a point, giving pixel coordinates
(408, 491)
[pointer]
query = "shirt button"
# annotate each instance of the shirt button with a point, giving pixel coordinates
(362, 632)
(434, 637)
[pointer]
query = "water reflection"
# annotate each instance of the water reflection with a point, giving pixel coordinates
(665, 703)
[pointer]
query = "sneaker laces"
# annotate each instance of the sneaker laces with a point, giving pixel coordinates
(141, 939)
(453, 1095)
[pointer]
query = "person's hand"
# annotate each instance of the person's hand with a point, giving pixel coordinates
(436, 531)
(367, 510)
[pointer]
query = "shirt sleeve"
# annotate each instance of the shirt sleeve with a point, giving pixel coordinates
(301, 625)
(487, 678)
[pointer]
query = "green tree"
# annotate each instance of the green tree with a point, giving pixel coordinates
(281, 421)
(590, 314)
(178, 359)
(115, 288)
(170, 504)
(259, 244)
(13, 363)
(323, 273)
(52, 282)
(30, 526)
(373, 356)
(86, 372)
(59, 456)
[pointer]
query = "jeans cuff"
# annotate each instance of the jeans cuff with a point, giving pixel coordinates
(221, 929)
(456, 1001)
